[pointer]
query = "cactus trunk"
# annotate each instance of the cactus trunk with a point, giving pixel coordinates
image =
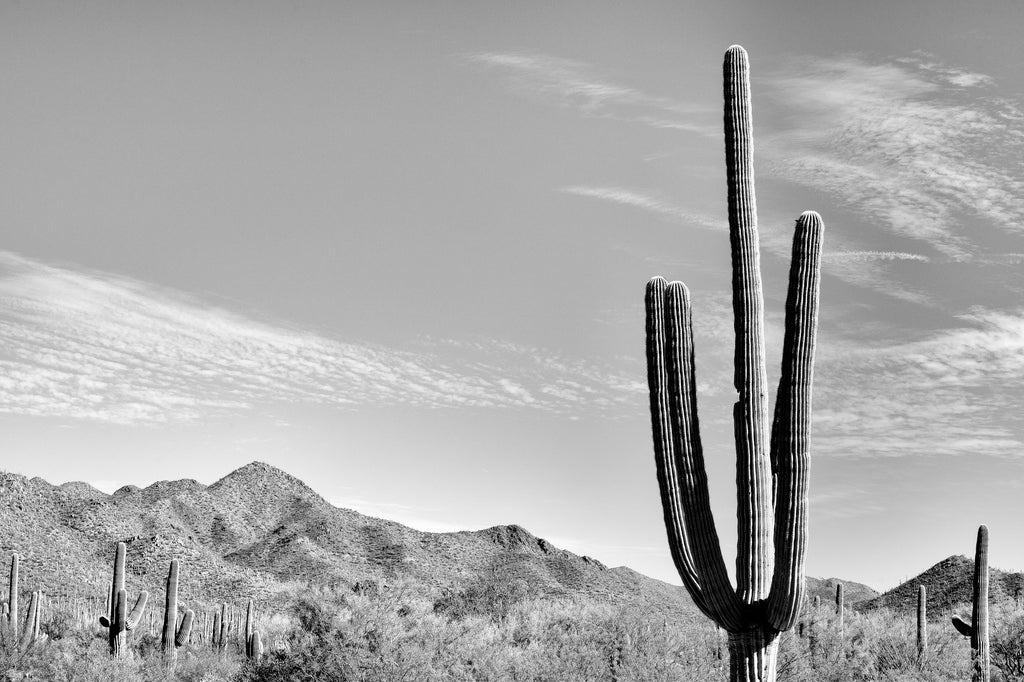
(977, 628)
(771, 474)
(979, 614)
(170, 617)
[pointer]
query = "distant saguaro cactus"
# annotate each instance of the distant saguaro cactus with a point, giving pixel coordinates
(772, 484)
(922, 620)
(11, 626)
(977, 627)
(253, 641)
(30, 633)
(174, 636)
(840, 607)
(118, 621)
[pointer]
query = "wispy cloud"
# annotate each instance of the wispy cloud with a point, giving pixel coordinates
(647, 202)
(955, 392)
(914, 146)
(861, 256)
(92, 345)
(576, 85)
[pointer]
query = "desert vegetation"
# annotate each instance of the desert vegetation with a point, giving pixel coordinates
(405, 631)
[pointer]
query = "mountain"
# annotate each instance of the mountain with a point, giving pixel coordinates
(949, 585)
(826, 590)
(259, 532)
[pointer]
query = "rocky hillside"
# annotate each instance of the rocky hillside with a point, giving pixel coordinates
(826, 590)
(949, 584)
(261, 532)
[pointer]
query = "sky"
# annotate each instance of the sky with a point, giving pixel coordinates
(399, 250)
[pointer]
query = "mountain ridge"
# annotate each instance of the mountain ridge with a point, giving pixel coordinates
(259, 531)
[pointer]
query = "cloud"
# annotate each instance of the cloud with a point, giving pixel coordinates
(647, 202)
(896, 143)
(874, 256)
(92, 345)
(575, 85)
(956, 392)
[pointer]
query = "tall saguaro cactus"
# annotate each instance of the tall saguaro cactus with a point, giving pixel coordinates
(174, 636)
(771, 473)
(977, 628)
(118, 621)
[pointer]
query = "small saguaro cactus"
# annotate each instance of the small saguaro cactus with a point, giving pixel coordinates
(30, 633)
(174, 636)
(118, 621)
(922, 620)
(220, 628)
(977, 627)
(840, 606)
(771, 471)
(11, 626)
(253, 641)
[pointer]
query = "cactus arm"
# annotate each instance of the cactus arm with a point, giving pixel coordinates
(132, 620)
(963, 627)
(104, 621)
(185, 630)
(755, 522)
(679, 458)
(792, 423)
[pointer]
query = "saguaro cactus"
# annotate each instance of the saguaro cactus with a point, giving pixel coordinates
(977, 627)
(174, 635)
(922, 620)
(118, 621)
(840, 607)
(11, 626)
(772, 484)
(30, 633)
(253, 641)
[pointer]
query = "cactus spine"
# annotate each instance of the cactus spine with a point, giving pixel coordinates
(173, 639)
(977, 628)
(772, 484)
(118, 621)
(922, 620)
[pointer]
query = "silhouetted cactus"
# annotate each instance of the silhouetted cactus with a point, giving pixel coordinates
(118, 621)
(172, 639)
(772, 485)
(922, 620)
(977, 628)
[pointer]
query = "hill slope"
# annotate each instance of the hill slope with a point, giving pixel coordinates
(949, 584)
(259, 532)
